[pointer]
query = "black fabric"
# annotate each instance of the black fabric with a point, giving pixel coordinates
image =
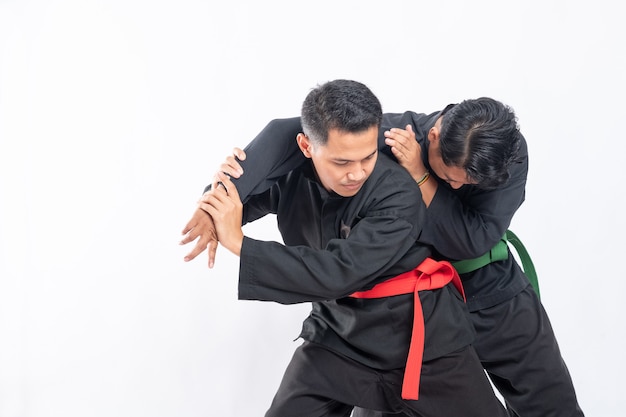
(319, 382)
(461, 224)
(467, 222)
(335, 246)
(519, 367)
(528, 369)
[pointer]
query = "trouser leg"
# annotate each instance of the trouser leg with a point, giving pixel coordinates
(519, 351)
(319, 382)
(453, 386)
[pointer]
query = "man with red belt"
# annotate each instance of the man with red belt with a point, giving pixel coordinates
(350, 220)
(470, 162)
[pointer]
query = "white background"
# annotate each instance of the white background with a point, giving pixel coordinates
(115, 114)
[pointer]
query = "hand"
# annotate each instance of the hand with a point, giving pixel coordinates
(406, 150)
(231, 165)
(201, 225)
(225, 207)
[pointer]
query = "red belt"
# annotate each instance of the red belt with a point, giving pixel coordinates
(429, 275)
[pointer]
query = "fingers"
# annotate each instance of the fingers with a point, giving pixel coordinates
(231, 167)
(400, 142)
(219, 193)
(217, 182)
(197, 250)
(228, 186)
(190, 225)
(401, 135)
(200, 226)
(213, 202)
(239, 153)
(396, 136)
(190, 236)
(189, 232)
(212, 252)
(399, 155)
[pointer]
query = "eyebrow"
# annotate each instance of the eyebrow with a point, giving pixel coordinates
(350, 160)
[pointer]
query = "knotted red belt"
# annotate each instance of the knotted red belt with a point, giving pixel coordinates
(429, 275)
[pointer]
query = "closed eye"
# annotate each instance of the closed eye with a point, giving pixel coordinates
(343, 162)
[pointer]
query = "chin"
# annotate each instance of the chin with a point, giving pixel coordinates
(348, 192)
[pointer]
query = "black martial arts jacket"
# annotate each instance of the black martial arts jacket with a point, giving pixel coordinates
(460, 224)
(335, 246)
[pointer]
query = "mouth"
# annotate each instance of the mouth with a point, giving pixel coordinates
(353, 186)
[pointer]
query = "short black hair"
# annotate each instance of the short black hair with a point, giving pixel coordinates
(346, 105)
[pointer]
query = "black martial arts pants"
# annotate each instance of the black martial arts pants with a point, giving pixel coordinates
(518, 349)
(319, 382)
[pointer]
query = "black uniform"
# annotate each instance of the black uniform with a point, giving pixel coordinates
(355, 349)
(515, 341)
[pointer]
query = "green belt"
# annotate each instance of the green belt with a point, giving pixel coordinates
(500, 252)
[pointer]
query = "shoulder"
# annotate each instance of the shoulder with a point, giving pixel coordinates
(389, 180)
(389, 170)
(391, 193)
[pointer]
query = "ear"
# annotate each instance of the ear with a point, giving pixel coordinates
(433, 135)
(304, 144)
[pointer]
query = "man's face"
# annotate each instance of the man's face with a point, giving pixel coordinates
(345, 161)
(453, 175)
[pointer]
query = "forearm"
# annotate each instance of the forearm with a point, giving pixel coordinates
(270, 271)
(271, 154)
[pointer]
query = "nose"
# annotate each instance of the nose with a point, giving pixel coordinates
(357, 174)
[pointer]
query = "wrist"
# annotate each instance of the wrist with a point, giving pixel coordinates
(421, 180)
(235, 244)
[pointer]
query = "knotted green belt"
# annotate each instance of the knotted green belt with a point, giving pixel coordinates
(499, 253)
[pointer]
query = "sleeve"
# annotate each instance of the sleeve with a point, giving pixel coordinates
(258, 206)
(274, 151)
(270, 155)
(374, 251)
(418, 120)
(382, 244)
(465, 224)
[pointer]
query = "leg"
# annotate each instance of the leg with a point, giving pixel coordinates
(454, 385)
(319, 382)
(517, 347)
